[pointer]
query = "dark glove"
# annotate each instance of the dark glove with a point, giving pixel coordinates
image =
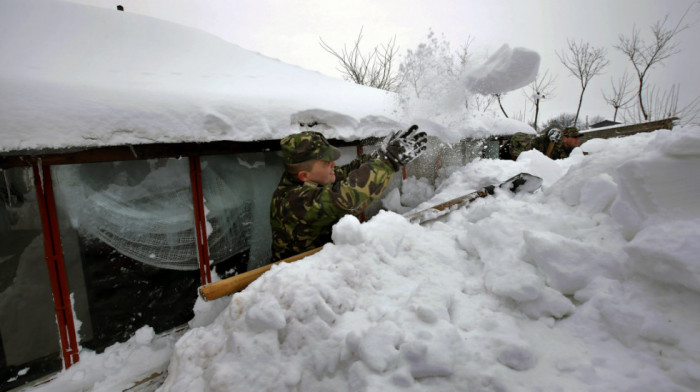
(402, 147)
(554, 135)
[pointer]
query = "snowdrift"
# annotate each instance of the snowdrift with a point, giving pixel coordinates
(590, 285)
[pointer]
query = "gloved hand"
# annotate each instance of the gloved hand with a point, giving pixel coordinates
(402, 147)
(554, 135)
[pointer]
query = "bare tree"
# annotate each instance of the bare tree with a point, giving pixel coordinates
(433, 67)
(584, 62)
(620, 96)
(374, 69)
(540, 88)
(664, 104)
(522, 114)
(463, 53)
(480, 102)
(645, 56)
(500, 104)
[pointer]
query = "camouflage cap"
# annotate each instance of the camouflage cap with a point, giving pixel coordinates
(304, 146)
(570, 132)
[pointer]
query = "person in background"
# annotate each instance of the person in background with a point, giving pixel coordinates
(314, 193)
(555, 144)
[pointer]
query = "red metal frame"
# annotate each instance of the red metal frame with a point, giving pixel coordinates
(199, 219)
(53, 253)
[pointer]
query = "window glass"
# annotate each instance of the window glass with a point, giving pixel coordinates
(127, 230)
(29, 344)
(237, 191)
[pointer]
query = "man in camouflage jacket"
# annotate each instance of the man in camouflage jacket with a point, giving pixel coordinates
(314, 194)
(563, 143)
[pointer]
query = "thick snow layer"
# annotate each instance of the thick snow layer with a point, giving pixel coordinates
(552, 291)
(80, 76)
(548, 291)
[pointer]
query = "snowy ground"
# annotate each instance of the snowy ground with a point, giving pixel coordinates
(591, 284)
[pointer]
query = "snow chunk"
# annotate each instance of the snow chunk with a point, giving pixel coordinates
(517, 357)
(661, 184)
(266, 313)
(429, 356)
(682, 142)
(506, 70)
(548, 169)
(595, 195)
(378, 346)
(568, 265)
(668, 252)
(348, 231)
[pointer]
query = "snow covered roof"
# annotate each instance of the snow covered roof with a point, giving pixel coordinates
(76, 75)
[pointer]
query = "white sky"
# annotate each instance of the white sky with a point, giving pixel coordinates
(290, 31)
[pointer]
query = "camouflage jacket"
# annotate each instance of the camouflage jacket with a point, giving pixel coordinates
(302, 213)
(520, 142)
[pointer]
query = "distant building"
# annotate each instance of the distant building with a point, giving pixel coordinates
(604, 123)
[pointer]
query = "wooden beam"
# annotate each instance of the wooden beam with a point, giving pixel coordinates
(143, 151)
(626, 130)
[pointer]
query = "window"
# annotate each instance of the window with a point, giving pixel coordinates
(29, 347)
(127, 230)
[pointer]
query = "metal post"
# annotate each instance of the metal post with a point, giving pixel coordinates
(200, 219)
(53, 253)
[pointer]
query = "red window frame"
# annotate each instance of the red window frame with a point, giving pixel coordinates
(200, 219)
(55, 262)
(53, 253)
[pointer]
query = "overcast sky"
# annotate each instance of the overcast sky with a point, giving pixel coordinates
(291, 30)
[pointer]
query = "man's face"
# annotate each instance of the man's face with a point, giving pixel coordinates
(571, 142)
(322, 172)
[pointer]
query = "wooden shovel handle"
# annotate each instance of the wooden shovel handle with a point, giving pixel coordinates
(462, 200)
(549, 149)
(239, 282)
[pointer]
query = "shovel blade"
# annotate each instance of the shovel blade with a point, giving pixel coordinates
(523, 182)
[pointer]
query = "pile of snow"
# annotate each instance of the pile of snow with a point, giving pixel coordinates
(591, 284)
